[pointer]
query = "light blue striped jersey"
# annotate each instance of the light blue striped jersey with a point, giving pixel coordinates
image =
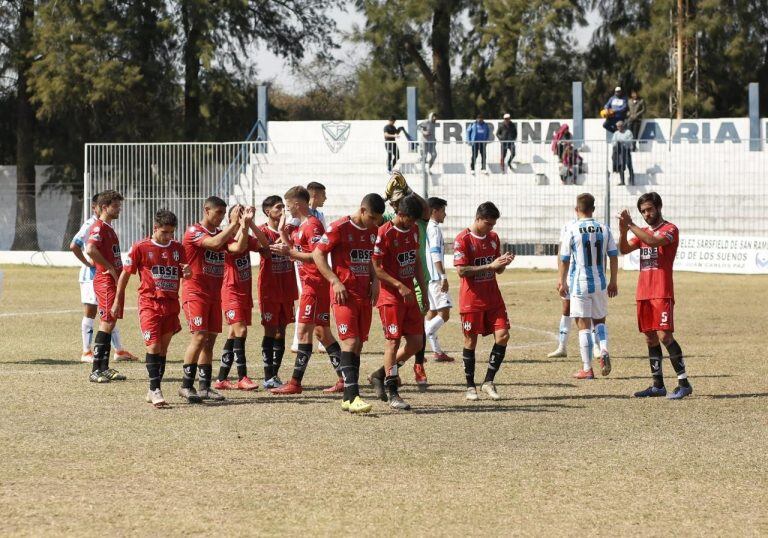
(435, 249)
(584, 243)
(81, 237)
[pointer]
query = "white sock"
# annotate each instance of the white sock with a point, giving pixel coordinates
(585, 346)
(565, 327)
(116, 343)
(431, 327)
(86, 331)
(602, 336)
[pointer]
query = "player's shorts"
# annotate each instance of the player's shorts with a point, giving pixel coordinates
(485, 322)
(315, 308)
(438, 299)
(276, 314)
(158, 318)
(105, 296)
(590, 305)
(656, 315)
(400, 320)
(87, 295)
(237, 312)
(203, 315)
(353, 319)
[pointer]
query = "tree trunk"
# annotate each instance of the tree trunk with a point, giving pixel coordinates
(441, 58)
(190, 21)
(25, 236)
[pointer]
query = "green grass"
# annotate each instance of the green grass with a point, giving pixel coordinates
(554, 456)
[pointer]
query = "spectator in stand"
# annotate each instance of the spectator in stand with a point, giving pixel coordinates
(478, 135)
(622, 141)
(615, 110)
(570, 163)
(561, 139)
(636, 113)
(391, 134)
(507, 134)
(429, 143)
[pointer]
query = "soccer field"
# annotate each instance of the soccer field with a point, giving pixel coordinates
(553, 457)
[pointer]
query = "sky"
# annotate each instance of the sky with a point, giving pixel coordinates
(277, 70)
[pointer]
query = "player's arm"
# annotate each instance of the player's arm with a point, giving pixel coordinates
(375, 287)
(77, 250)
(119, 300)
(562, 283)
(220, 240)
(649, 239)
(240, 244)
(95, 255)
(320, 259)
(259, 235)
(613, 289)
(507, 256)
(405, 292)
(498, 265)
(422, 284)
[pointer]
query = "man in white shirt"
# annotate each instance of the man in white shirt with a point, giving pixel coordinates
(623, 142)
(439, 298)
(87, 295)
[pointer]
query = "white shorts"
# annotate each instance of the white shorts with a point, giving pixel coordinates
(591, 305)
(87, 295)
(438, 299)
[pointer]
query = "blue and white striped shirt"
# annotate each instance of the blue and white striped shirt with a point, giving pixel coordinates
(584, 243)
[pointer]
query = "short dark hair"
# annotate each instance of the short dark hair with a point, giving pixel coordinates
(585, 202)
(374, 203)
(108, 197)
(297, 193)
(269, 202)
(95, 198)
(652, 197)
(410, 206)
(487, 210)
(436, 204)
(392, 118)
(315, 186)
(164, 217)
(213, 202)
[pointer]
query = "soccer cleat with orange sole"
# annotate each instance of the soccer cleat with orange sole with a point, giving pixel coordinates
(292, 387)
(124, 355)
(225, 385)
(247, 384)
(442, 357)
(420, 375)
(87, 356)
(338, 387)
(584, 374)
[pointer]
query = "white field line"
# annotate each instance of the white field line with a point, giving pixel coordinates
(50, 312)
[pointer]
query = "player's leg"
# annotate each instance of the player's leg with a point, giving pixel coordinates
(157, 347)
(468, 355)
(419, 372)
(333, 348)
(655, 357)
(205, 369)
(664, 313)
(241, 335)
(121, 354)
(353, 323)
(410, 345)
(88, 299)
(227, 360)
(305, 330)
(565, 328)
(440, 307)
(600, 333)
(498, 323)
(105, 296)
(197, 314)
(581, 310)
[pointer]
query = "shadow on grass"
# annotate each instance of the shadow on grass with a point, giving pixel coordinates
(734, 396)
(580, 397)
(491, 408)
(48, 362)
(648, 378)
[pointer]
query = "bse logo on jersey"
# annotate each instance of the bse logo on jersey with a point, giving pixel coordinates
(343, 328)
(392, 328)
(359, 255)
(406, 258)
(230, 314)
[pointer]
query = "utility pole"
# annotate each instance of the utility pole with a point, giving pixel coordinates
(680, 15)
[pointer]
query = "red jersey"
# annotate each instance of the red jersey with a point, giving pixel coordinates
(237, 274)
(158, 266)
(277, 277)
(480, 291)
(104, 237)
(351, 248)
(305, 239)
(398, 251)
(207, 265)
(655, 281)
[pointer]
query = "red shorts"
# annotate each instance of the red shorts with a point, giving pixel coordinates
(158, 318)
(276, 314)
(655, 315)
(237, 312)
(400, 320)
(353, 319)
(315, 308)
(105, 296)
(485, 322)
(203, 315)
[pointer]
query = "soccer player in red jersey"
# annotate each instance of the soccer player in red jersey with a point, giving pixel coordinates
(205, 244)
(237, 303)
(655, 291)
(396, 262)
(478, 259)
(161, 264)
(315, 302)
(350, 243)
(277, 290)
(103, 248)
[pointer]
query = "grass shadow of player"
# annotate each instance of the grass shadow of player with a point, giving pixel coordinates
(645, 357)
(266, 399)
(648, 378)
(462, 387)
(493, 408)
(579, 397)
(734, 396)
(47, 362)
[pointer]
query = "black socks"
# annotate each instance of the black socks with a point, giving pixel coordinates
(494, 361)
